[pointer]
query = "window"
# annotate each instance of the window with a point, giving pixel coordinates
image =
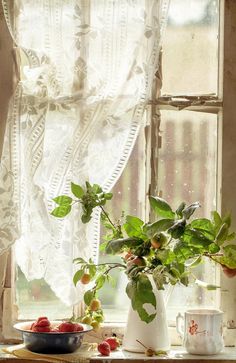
(196, 150)
(185, 165)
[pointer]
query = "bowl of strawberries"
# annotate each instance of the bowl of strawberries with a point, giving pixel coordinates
(52, 337)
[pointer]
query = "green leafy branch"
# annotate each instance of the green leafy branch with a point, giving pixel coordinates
(168, 248)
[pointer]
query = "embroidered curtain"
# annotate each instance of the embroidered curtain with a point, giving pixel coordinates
(86, 74)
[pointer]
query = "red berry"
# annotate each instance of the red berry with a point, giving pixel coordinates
(42, 318)
(104, 348)
(66, 327)
(229, 272)
(41, 329)
(43, 322)
(79, 327)
(32, 326)
(113, 342)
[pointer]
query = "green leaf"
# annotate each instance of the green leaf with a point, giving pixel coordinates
(77, 190)
(100, 280)
(195, 238)
(227, 219)
(96, 189)
(85, 218)
(79, 260)
(222, 234)
(88, 296)
(175, 272)
(229, 257)
(159, 226)
(179, 210)
(230, 251)
(216, 218)
(166, 256)
(102, 246)
(118, 245)
(88, 186)
(92, 270)
(213, 248)
(177, 230)
(159, 277)
(63, 199)
(61, 211)
(108, 196)
(161, 207)
(205, 226)
(111, 281)
(77, 276)
(188, 211)
(130, 289)
(194, 262)
(231, 236)
(183, 252)
(140, 293)
(133, 227)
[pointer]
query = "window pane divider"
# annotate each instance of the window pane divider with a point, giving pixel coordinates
(203, 103)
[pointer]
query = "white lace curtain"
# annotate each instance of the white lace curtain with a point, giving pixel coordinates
(86, 73)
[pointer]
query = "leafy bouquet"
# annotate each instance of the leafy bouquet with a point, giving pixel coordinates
(168, 248)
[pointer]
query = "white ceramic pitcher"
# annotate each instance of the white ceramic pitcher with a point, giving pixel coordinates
(153, 335)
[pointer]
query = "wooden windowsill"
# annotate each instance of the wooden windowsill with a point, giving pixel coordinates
(175, 354)
(119, 356)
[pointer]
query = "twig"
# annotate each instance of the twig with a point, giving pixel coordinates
(141, 344)
(107, 216)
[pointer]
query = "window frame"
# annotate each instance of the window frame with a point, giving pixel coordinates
(226, 156)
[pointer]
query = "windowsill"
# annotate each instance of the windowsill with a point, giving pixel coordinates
(119, 356)
(176, 353)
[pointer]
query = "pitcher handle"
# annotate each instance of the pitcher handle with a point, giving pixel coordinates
(180, 325)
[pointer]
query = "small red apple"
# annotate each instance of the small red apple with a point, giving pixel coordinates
(85, 279)
(135, 260)
(229, 272)
(104, 348)
(113, 342)
(66, 327)
(95, 305)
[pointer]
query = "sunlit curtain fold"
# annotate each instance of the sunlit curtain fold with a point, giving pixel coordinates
(86, 74)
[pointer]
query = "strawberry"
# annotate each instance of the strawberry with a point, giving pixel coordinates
(104, 348)
(42, 318)
(66, 327)
(32, 326)
(41, 329)
(79, 327)
(43, 322)
(113, 342)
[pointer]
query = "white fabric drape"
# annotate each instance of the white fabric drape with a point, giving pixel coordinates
(87, 69)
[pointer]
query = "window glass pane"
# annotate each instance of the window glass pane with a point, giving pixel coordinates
(187, 172)
(190, 47)
(35, 298)
(128, 196)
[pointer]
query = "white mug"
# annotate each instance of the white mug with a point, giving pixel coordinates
(201, 330)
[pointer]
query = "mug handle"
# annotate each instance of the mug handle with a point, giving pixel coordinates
(180, 325)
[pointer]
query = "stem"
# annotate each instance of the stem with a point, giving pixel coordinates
(111, 268)
(141, 344)
(211, 256)
(117, 264)
(107, 216)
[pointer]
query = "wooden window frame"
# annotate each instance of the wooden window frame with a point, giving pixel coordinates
(226, 156)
